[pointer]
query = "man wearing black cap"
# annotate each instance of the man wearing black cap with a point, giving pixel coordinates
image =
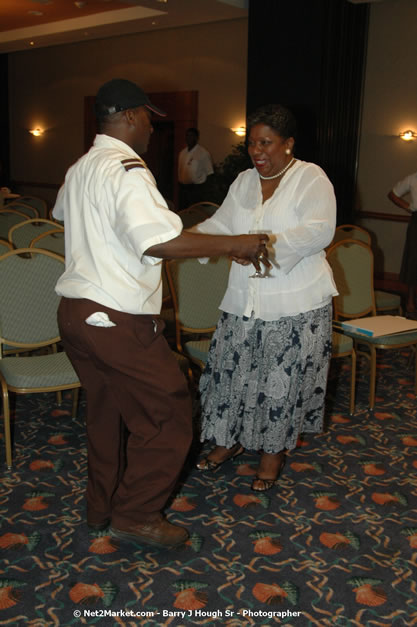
(117, 230)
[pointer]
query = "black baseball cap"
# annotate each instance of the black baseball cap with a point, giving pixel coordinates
(120, 94)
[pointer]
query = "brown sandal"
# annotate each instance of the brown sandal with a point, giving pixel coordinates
(267, 483)
(209, 464)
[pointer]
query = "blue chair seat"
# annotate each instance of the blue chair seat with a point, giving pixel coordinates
(39, 371)
(197, 349)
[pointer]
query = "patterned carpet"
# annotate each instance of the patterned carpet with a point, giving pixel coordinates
(335, 543)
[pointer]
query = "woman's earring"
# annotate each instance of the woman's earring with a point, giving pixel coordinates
(288, 151)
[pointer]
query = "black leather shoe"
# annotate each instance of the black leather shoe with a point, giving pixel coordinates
(160, 533)
(98, 526)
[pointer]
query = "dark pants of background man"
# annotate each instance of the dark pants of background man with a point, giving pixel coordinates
(131, 378)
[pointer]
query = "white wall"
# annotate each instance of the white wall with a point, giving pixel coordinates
(389, 107)
(47, 88)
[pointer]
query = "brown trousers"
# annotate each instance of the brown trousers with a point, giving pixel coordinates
(133, 386)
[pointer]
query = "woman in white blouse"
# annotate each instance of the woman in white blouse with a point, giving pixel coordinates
(265, 378)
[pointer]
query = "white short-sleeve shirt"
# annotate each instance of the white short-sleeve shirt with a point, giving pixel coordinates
(408, 186)
(194, 166)
(112, 213)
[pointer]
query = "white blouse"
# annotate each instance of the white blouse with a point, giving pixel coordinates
(408, 186)
(300, 219)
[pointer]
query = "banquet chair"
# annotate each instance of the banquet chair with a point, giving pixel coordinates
(192, 216)
(53, 240)
(38, 203)
(351, 231)
(168, 316)
(353, 270)
(21, 234)
(28, 210)
(5, 246)
(28, 319)
(343, 346)
(196, 290)
(207, 207)
(8, 218)
(167, 310)
(384, 301)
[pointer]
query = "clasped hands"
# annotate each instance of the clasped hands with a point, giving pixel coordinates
(260, 255)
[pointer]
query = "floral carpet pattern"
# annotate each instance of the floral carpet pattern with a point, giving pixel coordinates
(334, 543)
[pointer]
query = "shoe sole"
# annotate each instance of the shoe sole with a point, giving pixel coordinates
(134, 537)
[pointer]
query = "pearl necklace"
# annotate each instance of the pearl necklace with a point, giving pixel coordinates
(275, 176)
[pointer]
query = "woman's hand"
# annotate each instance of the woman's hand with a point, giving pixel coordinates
(250, 246)
(263, 257)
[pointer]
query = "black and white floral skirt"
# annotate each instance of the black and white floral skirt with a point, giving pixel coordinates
(265, 382)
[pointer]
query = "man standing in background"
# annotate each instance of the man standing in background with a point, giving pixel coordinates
(194, 166)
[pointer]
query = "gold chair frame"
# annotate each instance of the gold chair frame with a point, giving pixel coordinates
(357, 285)
(6, 386)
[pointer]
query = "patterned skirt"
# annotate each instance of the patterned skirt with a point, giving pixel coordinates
(265, 382)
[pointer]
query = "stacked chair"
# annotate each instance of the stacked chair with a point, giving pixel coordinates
(53, 240)
(353, 270)
(8, 218)
(196, 291)
(168, 316)
(343, 346)
(191, 216)
(37, 203)
(28, 210)
(22, 234)
(28, 322)
(351, 231)
(5, 246)
(384, 301)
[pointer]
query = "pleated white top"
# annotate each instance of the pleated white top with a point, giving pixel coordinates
(301, 219)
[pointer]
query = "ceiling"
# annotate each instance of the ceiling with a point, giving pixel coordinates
(28, 24)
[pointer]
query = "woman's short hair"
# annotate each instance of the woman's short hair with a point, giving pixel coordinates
(276, 116)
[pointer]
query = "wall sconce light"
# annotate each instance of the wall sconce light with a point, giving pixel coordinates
(408, 135)
(37, 132)
(240, 131)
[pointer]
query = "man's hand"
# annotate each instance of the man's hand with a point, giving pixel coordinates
(260, 256)
(250, 247)
(247, 247)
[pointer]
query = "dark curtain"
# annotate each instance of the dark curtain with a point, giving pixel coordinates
(310, 56)
(4, 123)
